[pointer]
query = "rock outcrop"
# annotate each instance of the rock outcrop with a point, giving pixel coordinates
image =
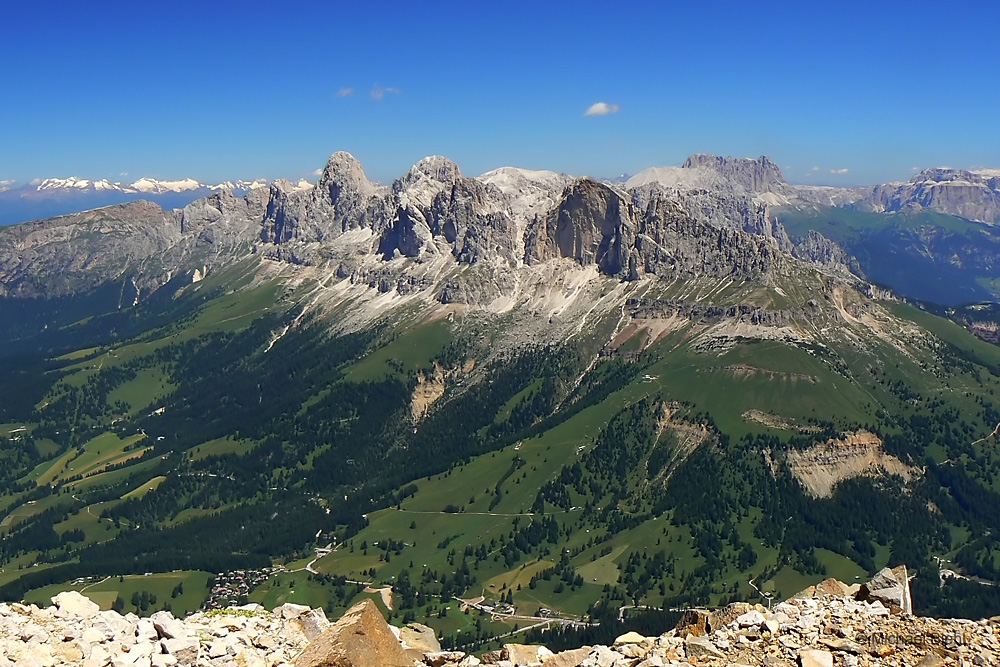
(361, 638)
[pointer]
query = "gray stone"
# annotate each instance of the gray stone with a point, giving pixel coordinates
(185, 649)
(167, 626)
(890, 587)
(701, 647)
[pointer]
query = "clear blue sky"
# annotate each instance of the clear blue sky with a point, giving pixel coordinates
(225, 90)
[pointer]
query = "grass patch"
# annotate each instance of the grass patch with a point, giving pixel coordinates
(411, 351)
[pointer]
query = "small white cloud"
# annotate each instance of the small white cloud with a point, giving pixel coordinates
(346, 91)
(378, 92)
(814, 169)
(124, 173)
(842, 170)
(317, 172)
(601, 109)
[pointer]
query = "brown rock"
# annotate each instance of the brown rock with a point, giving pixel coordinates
(932, 660)
(694, 623)
(361, 638)
(728, 614)
(832, 587)
(491, 657)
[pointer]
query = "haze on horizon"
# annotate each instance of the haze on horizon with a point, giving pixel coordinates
(850, 93)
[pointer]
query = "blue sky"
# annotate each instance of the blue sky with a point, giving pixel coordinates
(225, 90)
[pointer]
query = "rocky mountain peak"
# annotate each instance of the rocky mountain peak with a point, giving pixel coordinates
(755, 175)
(343, 172)
(425, 179)
(947, 175)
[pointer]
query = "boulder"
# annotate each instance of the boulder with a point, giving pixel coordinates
(76, 604)
(310, 622)
(361, 638)
(570, 658)
(891, 588)
(629, 638)
(168, 627)
(420, 637)
(693, 622)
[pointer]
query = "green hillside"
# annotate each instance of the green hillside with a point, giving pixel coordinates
(699, 443)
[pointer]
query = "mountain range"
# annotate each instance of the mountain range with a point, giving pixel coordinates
(42, 198)
(550, 393)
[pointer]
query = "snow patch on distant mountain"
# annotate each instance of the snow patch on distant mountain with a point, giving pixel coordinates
(144, 185)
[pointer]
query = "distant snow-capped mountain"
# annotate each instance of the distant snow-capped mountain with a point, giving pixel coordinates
(144, 185)
(47, 197)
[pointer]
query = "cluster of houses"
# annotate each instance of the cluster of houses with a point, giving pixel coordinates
(233, 588)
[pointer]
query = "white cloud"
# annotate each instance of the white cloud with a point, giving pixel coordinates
(317, 172)
(601, 109)
(346, 91)
(814, 169)
(842, 170)
(378, 92)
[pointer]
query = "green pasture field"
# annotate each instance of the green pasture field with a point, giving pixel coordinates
(104, 591)
(104, 450)
(219, 446)
(411, 351)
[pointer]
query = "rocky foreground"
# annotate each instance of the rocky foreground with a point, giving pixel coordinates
(826, 626)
